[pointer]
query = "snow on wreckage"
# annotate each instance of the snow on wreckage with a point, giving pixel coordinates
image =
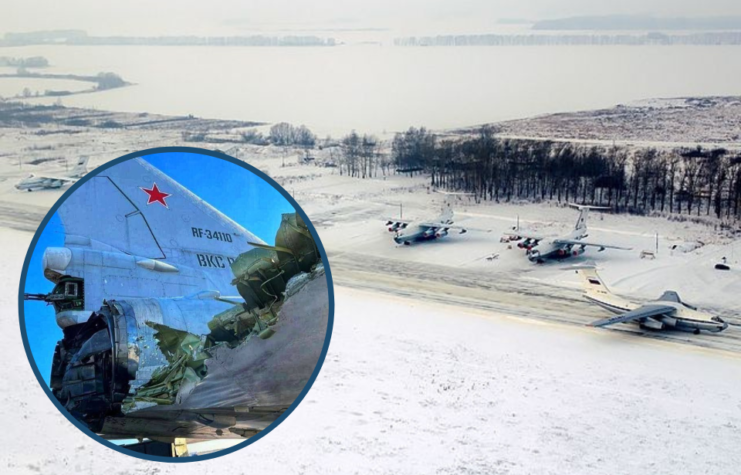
(146, 363)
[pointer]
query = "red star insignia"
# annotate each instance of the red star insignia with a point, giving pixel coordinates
(155, 195)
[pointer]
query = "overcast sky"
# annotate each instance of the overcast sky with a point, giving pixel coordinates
(208, 17)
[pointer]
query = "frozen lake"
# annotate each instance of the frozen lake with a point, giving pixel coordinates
(377, 88)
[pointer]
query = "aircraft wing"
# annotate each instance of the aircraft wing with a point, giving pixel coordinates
(577, 242)
(645, 311)
(525, 235)
(438, 225)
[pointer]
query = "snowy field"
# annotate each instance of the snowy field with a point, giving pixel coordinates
(444, 361)
(411, 387)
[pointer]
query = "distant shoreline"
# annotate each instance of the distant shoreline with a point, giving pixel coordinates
(729, 38)
(81, 38)
(103, 82)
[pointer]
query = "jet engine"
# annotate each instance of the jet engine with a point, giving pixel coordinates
(101, 362)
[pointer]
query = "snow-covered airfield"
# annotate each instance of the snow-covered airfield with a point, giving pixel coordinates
(443, 361)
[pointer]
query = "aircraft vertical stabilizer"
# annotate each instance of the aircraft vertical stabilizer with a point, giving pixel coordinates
(446, 213)
(581, 222)
(591, 281)
(80, 168)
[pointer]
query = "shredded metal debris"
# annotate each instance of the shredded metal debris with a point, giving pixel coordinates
(265, 277)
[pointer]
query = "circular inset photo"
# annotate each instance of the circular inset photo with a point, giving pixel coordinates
(176, 304)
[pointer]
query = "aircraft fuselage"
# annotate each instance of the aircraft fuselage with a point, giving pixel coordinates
(684, 319)
(416, 233)
(36, 184)
(539, 252)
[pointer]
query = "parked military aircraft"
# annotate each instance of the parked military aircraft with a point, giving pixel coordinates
(407, 232)
(33, 182)
(572, 244)
(142, 292)
(667, 312)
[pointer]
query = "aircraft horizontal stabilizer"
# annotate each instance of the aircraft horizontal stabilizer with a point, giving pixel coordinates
(580, 207)
(586, 265)
(454, 193)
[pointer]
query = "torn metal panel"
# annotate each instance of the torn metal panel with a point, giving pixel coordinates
(294, 235)
(186, 354)
(259, 278)
(168, 359)
(175, 398)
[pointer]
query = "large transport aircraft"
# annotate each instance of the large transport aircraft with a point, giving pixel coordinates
(406, 232)
(46, 182)
(156, 342)
(541, 248)
(668, 312)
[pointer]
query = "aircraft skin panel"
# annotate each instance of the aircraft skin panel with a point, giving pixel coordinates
(205, 229)
(114, 275)
(99, 211)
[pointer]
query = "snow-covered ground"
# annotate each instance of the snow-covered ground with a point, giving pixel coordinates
(412, 387)
(349, 214)
(413, 384)
(665, 123)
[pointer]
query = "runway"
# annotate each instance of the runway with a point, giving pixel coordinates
(513, 295)
(22, 217)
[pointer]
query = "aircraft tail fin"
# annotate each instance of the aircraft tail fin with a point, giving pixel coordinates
(581, 222)
(81, 167)
(446, 211)
(591, 281)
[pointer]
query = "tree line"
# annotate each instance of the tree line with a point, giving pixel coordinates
(690, 181)
(687, 181)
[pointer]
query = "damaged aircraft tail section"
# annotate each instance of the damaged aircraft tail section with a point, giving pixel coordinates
(189, 359)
